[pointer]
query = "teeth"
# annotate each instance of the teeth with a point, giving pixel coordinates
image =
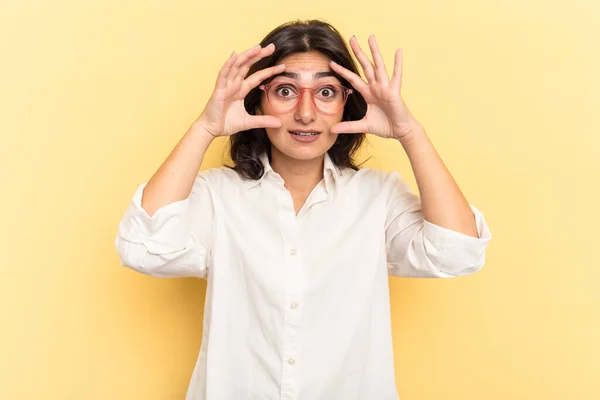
(304, 134)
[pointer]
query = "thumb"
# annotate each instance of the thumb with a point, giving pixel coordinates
(263, 121)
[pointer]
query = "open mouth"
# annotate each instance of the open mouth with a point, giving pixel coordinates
(305, 134)
(305, 137)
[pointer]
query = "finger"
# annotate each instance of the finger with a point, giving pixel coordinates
(380, 70)
(362, 58)
(224, 72)
(263, 121)
(397, 75)
(350, 127)
(234, 73)
(256, 78)
(355, 80)
(264, 52)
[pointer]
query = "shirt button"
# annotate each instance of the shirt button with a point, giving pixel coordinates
(294, 305)
(293, 252)
(291, 361)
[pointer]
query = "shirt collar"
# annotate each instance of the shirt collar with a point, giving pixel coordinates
(330, 173)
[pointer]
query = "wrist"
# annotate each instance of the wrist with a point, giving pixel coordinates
(417, 146)
(406, 128)
(199, 129)
(410, 133)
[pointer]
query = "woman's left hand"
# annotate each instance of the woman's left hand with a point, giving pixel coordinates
(387, 115)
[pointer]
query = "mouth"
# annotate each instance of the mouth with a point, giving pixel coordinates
(305, 136)
(305, 133)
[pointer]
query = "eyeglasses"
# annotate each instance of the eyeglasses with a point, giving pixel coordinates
(328, 98)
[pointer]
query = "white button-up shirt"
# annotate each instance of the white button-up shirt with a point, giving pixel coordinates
(297, 306)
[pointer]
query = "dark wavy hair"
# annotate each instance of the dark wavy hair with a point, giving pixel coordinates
(246, 147)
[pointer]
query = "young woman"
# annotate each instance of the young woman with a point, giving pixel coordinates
(295, 241)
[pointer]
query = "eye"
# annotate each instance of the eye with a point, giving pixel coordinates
(285, 91)
(327, 92)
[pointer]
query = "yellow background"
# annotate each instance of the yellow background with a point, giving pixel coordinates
(95, 94)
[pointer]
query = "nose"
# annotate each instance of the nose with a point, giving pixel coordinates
(305, 111)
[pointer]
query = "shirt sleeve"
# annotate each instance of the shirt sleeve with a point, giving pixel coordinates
(417, 248)
(173, 242)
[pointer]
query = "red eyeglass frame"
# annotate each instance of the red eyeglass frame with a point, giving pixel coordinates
(347, 91)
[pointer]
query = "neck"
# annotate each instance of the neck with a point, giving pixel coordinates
(300, 176)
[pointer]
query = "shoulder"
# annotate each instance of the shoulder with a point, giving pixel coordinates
(220, 178)
(372, 179)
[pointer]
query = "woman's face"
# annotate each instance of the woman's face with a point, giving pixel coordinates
(301, 70)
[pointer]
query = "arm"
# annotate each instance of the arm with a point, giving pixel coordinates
(441, 199)
(440, 235)
(174, 178)
(167, 229)
(418, 248)
(175, 241)
(224, 115)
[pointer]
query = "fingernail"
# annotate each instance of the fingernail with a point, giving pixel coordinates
(271, 44)
(281, 65)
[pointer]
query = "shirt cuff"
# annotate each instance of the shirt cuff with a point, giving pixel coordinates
(457, 253)
(162, 233)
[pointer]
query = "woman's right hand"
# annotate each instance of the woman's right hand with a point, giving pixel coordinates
(225, 113)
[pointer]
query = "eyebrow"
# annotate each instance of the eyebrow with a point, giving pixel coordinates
(316, 75)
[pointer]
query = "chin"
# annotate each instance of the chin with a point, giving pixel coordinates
(303, 151)
(302, 154)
